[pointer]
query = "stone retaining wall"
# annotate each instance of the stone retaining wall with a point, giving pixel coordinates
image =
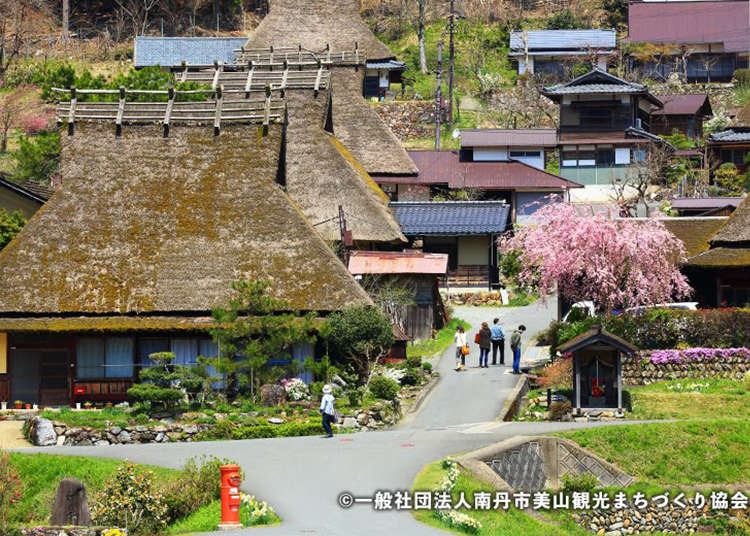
(670, 519)
(67, 531)
(638, 370)
(408, 119)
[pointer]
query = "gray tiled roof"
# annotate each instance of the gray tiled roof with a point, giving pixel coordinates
(452, 218)
(731, 135)
(563, 39)
(593, 88)
(172, 51)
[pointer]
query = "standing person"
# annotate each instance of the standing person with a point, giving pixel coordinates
(485, 342)
(460, 338)
(498, 342)
(327, 411)
(515, 345)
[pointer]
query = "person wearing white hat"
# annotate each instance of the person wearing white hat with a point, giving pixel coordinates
(327, 410)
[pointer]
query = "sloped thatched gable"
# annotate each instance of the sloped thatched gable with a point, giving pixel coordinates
(321, 175)
(145, 224)
(315, 24)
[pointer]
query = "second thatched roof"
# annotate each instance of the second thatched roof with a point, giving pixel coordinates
(148, 225)
(314, 24)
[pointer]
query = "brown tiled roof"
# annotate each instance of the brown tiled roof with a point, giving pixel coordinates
(499, 137)
(724, 21)
(597, 335)
(685, 105)
(445, 167)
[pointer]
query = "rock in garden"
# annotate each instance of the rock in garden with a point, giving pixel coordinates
(349, 422)
(43, 432)
(272, 395)
(71, 505)
(123, 437)
(363, 419)
(275, 420)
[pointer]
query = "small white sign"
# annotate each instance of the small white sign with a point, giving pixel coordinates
(504, 296)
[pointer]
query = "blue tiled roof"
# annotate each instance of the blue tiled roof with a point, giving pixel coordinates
(172, 51)
(731, 135)
(563, 39)
(452, 218)
(390, 65)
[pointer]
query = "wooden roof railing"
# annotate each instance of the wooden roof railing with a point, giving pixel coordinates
(354, 57)
(256, 78)
(217, 111)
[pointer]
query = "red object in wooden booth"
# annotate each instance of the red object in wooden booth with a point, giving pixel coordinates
(596, 387)
(79, 390)
(230, 496)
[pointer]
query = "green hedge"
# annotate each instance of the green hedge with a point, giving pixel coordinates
(227, 430)
(666, 328)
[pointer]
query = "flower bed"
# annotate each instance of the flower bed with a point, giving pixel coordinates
(651, 366)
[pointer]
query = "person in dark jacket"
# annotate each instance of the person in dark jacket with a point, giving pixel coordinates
(485, 343)
(515, 345)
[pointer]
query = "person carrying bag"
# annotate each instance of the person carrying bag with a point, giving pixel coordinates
(462, 349)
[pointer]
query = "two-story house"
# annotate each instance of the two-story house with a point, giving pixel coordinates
(604, 127)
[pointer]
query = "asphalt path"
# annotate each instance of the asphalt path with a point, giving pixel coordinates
(303, 477)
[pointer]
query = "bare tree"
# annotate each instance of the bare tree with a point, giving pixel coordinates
(708, 62)
(633, 189)
(13, 32)
(422, 11)
(685, 53)
(138, 11)
(65, 19)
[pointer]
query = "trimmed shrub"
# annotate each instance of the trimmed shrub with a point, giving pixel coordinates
(411, 377)
(742, 76)
(385, 388)
(427, 367)
(414, 361)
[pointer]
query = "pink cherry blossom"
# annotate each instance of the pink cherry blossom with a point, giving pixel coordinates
(614, 263)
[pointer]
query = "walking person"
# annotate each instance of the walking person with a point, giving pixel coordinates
(485, 342)
(327, 410)
(461, 347)
(498, 342)
(515, 345)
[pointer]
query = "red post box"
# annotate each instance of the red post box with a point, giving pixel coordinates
(230, 497)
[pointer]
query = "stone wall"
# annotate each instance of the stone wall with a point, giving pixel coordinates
(638, 370)
(670, 519)
(408, 119)
(44, 432)
(68, 531)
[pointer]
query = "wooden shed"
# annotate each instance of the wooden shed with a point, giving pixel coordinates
(597, 369)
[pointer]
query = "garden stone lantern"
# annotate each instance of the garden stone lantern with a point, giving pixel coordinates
(597, 369)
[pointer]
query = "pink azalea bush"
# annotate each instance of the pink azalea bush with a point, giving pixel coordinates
(615, 264)
(697, 355)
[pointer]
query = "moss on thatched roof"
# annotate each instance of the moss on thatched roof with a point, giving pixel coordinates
(721, 257)
(694, 232)
(148, 224)
(362, 131)
(321, 175)
(736, 232)
(315, 24)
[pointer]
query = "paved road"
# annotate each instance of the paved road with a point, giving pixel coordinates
(302, 477)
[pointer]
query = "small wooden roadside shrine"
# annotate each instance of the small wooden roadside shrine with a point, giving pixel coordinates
(597, 368)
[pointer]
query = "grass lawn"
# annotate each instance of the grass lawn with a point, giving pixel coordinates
(41, 473)
(493, 521)
(691, 399)
(675, 454)
(443, 339)
(207, 518)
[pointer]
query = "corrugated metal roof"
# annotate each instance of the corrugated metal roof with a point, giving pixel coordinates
(731, 135)
(172, 51)
(684, 105)
(452, 218)
(723, 21)
(563, 39)
(397, 262)
(390, 65)
(498, 137)
(706, 203)
(599, 52)
(445, 167)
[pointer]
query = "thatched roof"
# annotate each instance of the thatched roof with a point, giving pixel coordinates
(362, 131)
(315, 24)
(322, 174)
(736, 232)
(146, 224)
(694, 232)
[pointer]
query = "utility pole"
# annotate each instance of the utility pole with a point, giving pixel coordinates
(452, 49)
(65, 20)
(438, 93)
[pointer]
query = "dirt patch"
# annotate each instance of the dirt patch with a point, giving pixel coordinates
(11, 436)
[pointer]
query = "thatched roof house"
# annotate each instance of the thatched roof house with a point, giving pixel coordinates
(315, 25)
(144, 238)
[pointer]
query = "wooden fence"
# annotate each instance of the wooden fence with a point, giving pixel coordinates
(355, 57)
